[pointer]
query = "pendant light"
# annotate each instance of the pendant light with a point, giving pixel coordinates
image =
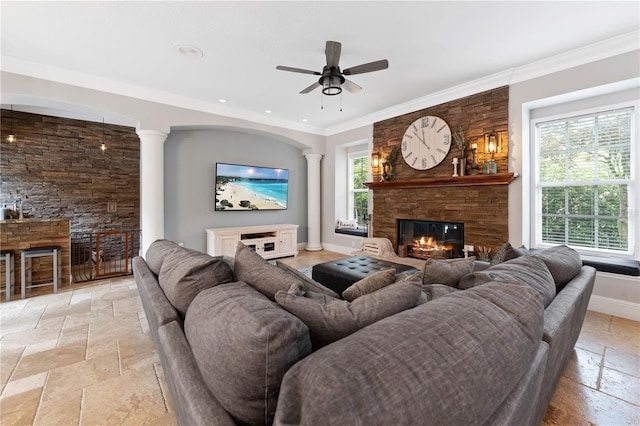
(103, 146)
(11, 138)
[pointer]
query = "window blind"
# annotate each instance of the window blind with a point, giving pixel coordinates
(584, 182)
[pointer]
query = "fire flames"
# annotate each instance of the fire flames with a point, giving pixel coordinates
(429, 248)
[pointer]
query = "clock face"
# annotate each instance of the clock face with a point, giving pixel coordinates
(426, 142)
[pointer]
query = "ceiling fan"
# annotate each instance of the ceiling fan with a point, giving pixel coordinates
(331, 78)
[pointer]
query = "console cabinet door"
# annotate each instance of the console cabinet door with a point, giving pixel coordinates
(288, 241)
(226, 245)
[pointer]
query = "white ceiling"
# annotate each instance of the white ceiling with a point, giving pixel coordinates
(127, 48)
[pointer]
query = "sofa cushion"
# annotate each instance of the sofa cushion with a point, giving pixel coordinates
(563, 262)
(243, 344)
(156, 253)
(331, 319)
(254, 270)
(309, 283)
(452, 361)
(184, 274)
(447, 271)
(527, 270)
(508, 252)
(369, 284)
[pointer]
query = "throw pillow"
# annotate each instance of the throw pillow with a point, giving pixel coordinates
(309, 284)
(563, 262)
(507, 252)
(528, 270)
(369, 284)
(157, 251)
(184, 274)
(335, 319)
(254, 270)
(447, 271)
(243, 345)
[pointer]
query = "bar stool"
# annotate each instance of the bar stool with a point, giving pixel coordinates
(26, 263)
(6, 256)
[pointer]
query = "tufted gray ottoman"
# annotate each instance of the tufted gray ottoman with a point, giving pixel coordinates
(340, 274)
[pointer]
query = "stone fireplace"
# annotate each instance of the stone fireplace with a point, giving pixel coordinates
(480, 202)
(426, 239)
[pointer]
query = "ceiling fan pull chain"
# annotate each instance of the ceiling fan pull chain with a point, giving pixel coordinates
(340, 101)
(321, 101)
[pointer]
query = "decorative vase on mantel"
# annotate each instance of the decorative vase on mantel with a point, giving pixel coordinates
(463, 166)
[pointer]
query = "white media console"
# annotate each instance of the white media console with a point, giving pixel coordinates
(269, 241)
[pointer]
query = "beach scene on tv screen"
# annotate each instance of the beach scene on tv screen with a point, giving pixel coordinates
(241, 187)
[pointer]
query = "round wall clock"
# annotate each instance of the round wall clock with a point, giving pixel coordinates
(426, 142)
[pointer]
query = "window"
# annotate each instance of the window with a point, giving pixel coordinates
(585, 194)
(358, 193)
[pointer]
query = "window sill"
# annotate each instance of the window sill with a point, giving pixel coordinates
(362, 232)
(614, 266)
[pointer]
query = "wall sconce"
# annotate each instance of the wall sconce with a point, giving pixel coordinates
(375, 161)
(492, 143)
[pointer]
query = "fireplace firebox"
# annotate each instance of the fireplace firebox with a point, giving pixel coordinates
(426, 239)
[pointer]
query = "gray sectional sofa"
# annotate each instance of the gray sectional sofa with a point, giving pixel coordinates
(242, 341)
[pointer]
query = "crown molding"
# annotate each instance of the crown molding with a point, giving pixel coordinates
(605, 49)
(114, 87)
(594, 52)
(591, 53)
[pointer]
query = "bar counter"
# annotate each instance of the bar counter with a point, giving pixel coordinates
(22, 234)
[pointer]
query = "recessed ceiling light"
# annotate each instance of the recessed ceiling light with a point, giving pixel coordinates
(268, 111)
(188, 50)
(304, 120)
(222, 101)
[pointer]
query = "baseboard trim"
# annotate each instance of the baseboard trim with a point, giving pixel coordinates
(339, 249)
(615, 307)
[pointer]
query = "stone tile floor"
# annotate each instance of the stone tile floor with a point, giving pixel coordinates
(85, 356)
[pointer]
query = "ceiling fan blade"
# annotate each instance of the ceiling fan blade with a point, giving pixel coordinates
(300, 70)
(332, 51)
(371, 66)
(310, 88)
(351, 86)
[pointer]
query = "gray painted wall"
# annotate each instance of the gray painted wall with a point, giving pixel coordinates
(613, 294)
(190, 158)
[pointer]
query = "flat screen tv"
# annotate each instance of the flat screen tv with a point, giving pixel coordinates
(247, 188)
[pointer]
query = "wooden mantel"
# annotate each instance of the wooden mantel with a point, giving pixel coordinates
(469, 180)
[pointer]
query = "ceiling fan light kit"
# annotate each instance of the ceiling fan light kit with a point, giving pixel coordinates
(331, 78)
(331, 84)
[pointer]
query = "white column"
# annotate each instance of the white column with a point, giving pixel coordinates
(151, 186)
(313, 201)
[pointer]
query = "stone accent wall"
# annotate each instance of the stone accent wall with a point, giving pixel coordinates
(57, 168)
(483, 209)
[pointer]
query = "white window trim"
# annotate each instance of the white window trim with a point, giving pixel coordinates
(634, 185)
(351, 190)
